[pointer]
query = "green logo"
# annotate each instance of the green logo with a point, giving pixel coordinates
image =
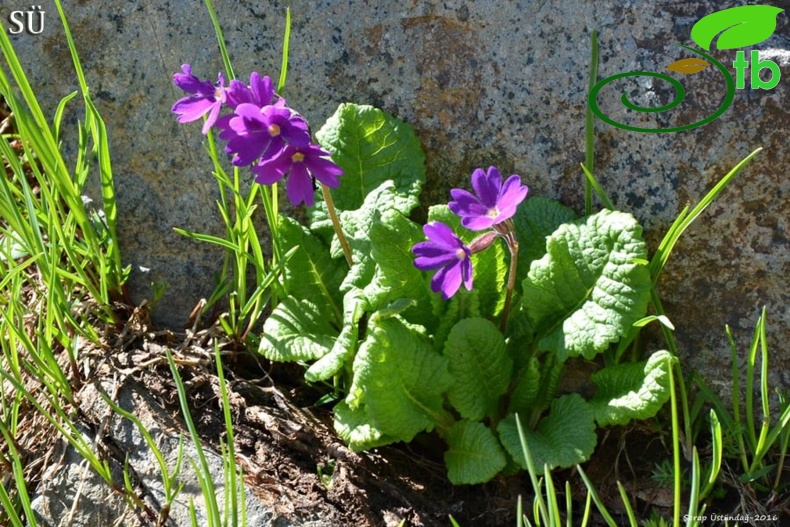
(736, 27)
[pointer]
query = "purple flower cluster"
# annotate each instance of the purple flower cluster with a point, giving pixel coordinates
(491, 207)
(261, 132)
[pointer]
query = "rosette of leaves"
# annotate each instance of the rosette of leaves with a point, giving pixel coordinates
(404, 362)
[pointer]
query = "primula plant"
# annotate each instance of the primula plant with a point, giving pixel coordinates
(454, 327)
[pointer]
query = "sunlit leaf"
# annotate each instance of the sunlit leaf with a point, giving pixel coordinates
(475, 455)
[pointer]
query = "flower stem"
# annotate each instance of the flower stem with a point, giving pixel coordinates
(330, 205)
(508, 231)
(511, 283)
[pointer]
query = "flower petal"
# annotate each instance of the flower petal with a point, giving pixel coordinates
(188, 82)
(465, 203)
(442, 235)
(512, 193)
(466, 273)
(191, 109)
(487, 185)
(479, 222)
(296, 131)
(262, 88)
(300, 186)
(272, 169)
(324, 170)
(212, 117)
(430, 256)
(447, 280)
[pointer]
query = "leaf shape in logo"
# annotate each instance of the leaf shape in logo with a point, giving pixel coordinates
(688, 66)
(739, 26)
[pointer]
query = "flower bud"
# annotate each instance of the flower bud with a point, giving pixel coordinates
(481, 243)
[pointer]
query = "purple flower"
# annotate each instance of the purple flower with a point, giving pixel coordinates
(302, 162)
(493, 203)
(254, 132)
(446, 252)
(205, 98)
(260, 92)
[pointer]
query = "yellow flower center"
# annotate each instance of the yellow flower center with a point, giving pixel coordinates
(297, 157)
(460, 254)
(493, 213)
(274, 130)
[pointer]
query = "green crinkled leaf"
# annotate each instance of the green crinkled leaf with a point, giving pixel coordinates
(371, 147)
(401, 379)
(519, 327)
(536, 219)
(590, 287)
(354, 306)
(630, 391)
(311, 273)
(392, 239)
(563, 438)
(296, 331)
(357, 225)
(354, 427)
(489, 267)
(525, 392)
(478, 360)
(739, 27)
(395, 308)
(464, 304)
(474, 454)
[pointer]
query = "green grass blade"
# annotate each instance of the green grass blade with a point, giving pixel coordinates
(692, 516)
(596, 498)
(627, 504)
(589, 127)
(65, 426)
(231, 498)
(72, 49)
(540, 503)
(208, 238)
(751, 361)
(587, 510)
(56, 122)
(21, 487)
(738, 426)
(784, 439)
(684, 220)
(676, 470)
(168, 478)
(223, 50)
(551, 497)
(108, 193)
(717, 447)
(202, 471)
(286, 46)
(591, 181)
(780, 428)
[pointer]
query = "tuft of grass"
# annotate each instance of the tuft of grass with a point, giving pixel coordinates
(754, 436)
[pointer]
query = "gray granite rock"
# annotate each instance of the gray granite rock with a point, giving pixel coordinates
(483, 83)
